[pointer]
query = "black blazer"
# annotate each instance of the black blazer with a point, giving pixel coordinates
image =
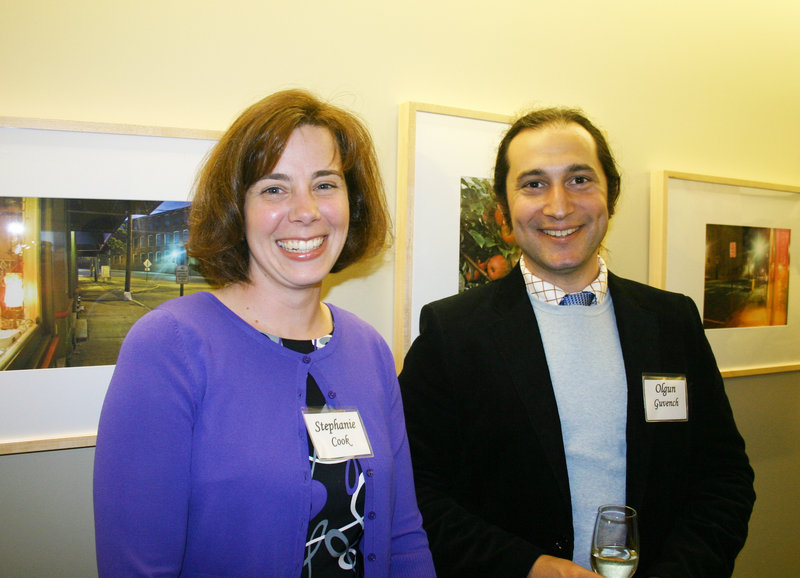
(488, 455)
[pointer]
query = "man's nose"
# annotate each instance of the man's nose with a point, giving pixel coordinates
(558, 203)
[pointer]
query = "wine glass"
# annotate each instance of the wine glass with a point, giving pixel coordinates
(615, 542)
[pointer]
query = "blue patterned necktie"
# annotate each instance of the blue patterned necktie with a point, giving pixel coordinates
(582, 298)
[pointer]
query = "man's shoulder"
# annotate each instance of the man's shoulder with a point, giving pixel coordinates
(617, 282)
(480, 297)
(465, 298)
(640, 290)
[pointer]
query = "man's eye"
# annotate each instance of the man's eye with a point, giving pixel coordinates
(580, 180)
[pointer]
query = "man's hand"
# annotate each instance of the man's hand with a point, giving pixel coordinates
(552, 567)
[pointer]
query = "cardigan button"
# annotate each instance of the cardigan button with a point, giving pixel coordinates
(332, 394)
(306, 359)
(372, 515)
(372, 557)
(370, 473)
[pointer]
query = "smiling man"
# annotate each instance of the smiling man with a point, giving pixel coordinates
(566, 405)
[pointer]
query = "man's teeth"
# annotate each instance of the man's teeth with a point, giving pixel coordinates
(301, 246)
(555, 233)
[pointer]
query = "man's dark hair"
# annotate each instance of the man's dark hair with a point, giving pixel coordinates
(555, 116)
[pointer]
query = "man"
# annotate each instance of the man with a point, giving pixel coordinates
(524, 416)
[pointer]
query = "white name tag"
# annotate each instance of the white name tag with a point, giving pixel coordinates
(337, 434)
(665, 398)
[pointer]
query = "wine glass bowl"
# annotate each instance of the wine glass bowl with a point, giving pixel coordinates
(615, 541)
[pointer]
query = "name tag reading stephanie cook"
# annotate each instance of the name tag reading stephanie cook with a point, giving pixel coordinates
(665, 398)
(337, 434)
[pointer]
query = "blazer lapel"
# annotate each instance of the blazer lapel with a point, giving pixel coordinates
(633, 322)
(520, 345)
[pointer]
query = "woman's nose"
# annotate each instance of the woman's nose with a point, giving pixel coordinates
(304, 207)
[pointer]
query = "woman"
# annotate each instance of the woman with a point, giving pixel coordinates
(207, 452)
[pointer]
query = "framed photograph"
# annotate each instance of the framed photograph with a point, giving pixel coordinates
(728, 244)
(92, 236)
(443, 153)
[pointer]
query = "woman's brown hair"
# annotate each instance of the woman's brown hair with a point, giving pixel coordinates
(251, 148)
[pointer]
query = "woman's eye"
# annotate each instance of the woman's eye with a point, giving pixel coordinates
(328, 187)
(271, 190)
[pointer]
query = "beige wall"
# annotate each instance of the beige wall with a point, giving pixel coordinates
(707, 87)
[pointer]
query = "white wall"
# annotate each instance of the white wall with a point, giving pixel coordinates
(706, 87)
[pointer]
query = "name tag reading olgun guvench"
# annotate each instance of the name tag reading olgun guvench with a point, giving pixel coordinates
(337, 434)
(665, 397)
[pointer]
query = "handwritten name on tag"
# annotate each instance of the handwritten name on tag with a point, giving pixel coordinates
(665, 398)
(337, 434)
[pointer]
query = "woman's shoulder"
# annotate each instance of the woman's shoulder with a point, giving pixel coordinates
(354, 331)
(199, 301)
(348, 319)
(195, 312)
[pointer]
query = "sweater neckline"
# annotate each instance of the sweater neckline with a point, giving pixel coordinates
(259, 336)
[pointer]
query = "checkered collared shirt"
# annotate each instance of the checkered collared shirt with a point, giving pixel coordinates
(549, 293)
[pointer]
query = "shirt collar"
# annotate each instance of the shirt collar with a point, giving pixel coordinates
(549, 293)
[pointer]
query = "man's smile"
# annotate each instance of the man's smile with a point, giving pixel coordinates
(559, 232)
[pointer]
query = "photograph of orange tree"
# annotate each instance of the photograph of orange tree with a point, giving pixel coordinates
(747, 276)
(488, 250)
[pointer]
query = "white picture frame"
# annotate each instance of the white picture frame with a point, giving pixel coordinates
(58, 408)
(437, 145)
(681, 206)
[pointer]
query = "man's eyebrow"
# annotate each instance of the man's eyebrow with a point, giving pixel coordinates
(570, 170)
(530, 173)
(580, 168)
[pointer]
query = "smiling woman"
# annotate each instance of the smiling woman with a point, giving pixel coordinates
(297, 216)
(249, 150)
(203, 465)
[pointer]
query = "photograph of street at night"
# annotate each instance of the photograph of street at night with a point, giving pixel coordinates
(76, 274)
(747, 276)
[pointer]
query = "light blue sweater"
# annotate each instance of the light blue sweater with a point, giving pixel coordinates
(588, 374)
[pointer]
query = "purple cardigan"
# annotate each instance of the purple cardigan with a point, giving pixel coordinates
(201, 467)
